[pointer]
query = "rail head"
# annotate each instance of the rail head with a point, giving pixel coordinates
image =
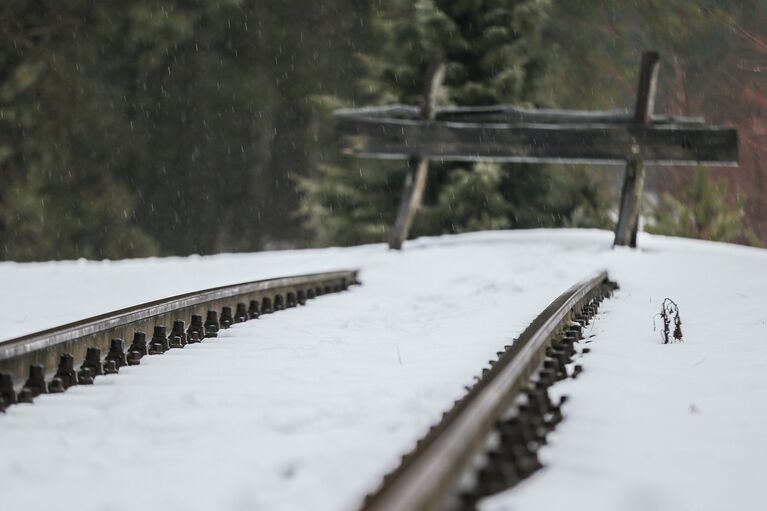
(19, 352)
(425, 477)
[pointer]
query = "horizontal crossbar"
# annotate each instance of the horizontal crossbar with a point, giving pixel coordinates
(684, 143)
(510, 114)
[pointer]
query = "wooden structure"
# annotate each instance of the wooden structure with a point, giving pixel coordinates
(507, 133)
(418, 167)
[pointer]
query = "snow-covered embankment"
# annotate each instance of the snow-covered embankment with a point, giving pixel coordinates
(314, 404)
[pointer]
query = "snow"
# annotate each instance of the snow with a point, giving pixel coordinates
(308, 408)
(661, 427)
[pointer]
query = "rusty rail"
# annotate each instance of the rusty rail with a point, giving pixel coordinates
(428, 477)
(52, 352)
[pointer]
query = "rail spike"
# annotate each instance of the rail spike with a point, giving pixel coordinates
(36, 381)
(211, 324)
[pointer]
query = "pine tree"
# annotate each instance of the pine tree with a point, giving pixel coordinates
(149, 127)
(62, 138)
(493, 54)
(701, 210)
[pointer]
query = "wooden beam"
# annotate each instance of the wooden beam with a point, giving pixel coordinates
(418, 168)
(648, 85)
(633, 181)
(410, 200)
(510, 114)
(601, 144)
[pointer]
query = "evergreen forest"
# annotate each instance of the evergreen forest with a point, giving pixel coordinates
(172, 127)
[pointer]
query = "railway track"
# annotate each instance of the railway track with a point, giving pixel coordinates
(485, 444)
(74, 354)
(488, 441)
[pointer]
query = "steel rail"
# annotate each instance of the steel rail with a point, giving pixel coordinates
(45, 347)
(427, 476)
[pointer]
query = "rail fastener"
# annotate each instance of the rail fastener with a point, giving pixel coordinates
(488, 441)
(49, 356)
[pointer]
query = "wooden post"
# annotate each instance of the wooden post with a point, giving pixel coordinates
(633, 182)
(418, 168)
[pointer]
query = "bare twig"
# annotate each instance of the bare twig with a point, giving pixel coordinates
(670, 313)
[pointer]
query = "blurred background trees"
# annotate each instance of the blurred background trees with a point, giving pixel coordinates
(158, 127)
(494, 53)
(713, 64)
(162, 126)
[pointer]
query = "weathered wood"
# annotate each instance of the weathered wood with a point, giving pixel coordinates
(410, 201)
(418, 168)
(631, 201)
(510, 114)
(633, 181)
(507, 133)
(648, 84)
(667, 144)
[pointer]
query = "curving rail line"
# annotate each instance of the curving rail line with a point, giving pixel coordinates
(47, 358)
(487, 441)
(485, 444)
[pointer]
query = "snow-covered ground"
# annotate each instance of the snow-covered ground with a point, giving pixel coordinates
(306, 409)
